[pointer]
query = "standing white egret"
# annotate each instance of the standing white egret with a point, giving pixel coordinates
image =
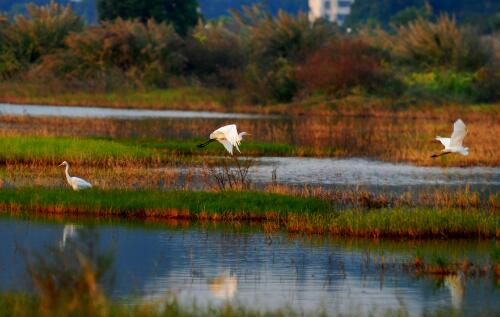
(75, 182)
(454, 144)
(227, 136)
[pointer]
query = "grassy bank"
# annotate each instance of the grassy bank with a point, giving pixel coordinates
(51, 150)
(294, 214)
(212, 99)
(102, 152)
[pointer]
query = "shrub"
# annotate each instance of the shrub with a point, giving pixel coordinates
(486, 85)
(343, 65)
(215, 54)
(274, 45)
(145, 54)
(30, 37)
(442, 43)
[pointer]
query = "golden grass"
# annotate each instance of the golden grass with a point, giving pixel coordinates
(401, 138)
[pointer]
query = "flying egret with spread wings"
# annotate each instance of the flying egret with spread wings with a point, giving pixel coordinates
(75, 182)
(227, 136)
(455, 143)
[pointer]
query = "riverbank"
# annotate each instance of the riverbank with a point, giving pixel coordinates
(274, 211)
(205, 99)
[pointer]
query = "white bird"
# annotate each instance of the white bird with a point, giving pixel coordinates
(455, 143)
(75, 182)
(227, 136)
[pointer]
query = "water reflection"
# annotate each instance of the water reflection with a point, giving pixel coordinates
(265, 271)
(456, 284)
(69, 232)
(223, 286)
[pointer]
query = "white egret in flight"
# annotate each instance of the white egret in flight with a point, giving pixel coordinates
(75, 182)
(227, 136)
(454, 144)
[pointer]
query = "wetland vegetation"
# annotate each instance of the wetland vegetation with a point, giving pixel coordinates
(371, 93)
(367, 215)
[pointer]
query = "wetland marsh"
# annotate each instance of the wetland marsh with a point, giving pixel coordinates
(281, 232)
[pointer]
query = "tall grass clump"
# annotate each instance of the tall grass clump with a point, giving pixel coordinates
(27, 38)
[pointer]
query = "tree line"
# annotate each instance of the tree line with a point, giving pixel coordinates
(261, 57)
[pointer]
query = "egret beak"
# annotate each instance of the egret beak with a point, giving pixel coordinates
(62, 164)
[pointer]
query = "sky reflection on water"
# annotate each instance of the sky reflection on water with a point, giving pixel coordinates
(258, 270)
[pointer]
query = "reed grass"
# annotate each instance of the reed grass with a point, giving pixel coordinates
(37, 150)
(399, 139)
(294, 214)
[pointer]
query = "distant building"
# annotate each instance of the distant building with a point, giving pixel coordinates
(331, 10)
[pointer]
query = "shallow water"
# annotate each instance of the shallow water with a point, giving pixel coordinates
(367, 173)
(112, 113)
(247, 267)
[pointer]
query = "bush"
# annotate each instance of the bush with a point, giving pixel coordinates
(486, 85)
(215, 55)
(481, 86)
(27, 39)
(440, 44)
(274, 46)
(144, 54)
(343, 66)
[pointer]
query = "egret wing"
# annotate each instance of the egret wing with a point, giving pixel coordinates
(458, 135)
(81, 183)
(227, 145)
(445, 141)
(230, 133)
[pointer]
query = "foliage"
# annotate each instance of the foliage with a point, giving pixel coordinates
(215, 54)
(342, 66)
(273, 47)
(439, 44)
(252, 55)
(182, 14)
(480, 14)
(144, 53)
(28, 38)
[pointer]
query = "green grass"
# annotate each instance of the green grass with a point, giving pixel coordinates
(248, 148)
(97, 152)
(173, 98)
(135, 203)
(295, 214)
(53, 150)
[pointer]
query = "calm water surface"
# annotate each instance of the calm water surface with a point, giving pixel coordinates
(247, 267)
(112, 113)
(368, 173)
